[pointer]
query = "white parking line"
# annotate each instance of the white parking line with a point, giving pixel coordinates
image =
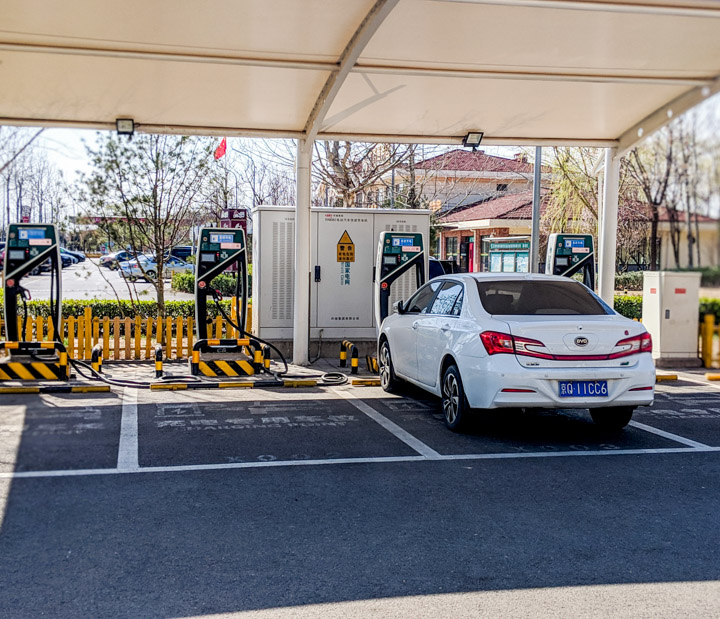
(670, 435)
(128, 447)
(390, 426)
(377, 460)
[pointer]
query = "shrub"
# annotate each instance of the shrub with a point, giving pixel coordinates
(185, 282)
(633, 280)
(124, 309)
(710, 306)
(629, 306)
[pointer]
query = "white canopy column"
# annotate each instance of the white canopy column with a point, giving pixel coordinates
(301, 300)
(608, 227)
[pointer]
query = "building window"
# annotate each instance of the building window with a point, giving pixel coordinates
(451, 248)
(501, 187)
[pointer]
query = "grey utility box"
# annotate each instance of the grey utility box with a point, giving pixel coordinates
(670, 314)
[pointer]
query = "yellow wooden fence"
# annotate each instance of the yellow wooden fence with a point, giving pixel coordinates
(125, 338)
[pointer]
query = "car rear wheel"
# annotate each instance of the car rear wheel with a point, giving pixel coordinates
(150, 275)
(454, 404)
(388, 380)
(613, 418)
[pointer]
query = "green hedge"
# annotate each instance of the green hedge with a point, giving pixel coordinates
(629, 306)
(124, 309)
(710, 306)
(185, 282)
(632, 280)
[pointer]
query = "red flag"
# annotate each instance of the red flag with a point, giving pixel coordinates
(220, 150)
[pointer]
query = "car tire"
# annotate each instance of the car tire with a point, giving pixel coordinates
(612, 418)
(150, 275)
(455, 407)
(388, 380)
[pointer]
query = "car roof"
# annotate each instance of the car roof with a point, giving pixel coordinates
(484, 277)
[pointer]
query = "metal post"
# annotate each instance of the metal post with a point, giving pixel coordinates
(535, 230)
(301, 299)
(607, 243)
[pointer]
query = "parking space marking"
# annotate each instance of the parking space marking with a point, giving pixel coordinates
(375, 460)
(691, 379)
(393, 428)
(670, 435)
(128, 446)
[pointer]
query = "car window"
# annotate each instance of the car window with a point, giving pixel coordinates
(535, 297)
(420, 302)
(446, 299)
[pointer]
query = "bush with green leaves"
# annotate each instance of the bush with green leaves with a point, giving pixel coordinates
(632, 280)
(123, 309)
(629, 306)
(185, 282)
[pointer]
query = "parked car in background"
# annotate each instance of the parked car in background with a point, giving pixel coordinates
(441, 267)
(512, 340)
(180, 251)
(80, 256)
(111, 261)
(145, 267)
(66, 255)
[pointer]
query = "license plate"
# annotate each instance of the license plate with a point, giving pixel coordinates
(583, 388)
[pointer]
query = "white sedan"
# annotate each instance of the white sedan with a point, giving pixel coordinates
(490, 340)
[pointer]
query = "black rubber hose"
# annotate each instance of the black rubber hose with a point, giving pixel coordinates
(330, 378)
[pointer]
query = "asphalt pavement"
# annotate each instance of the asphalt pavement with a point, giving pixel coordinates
(350, 502)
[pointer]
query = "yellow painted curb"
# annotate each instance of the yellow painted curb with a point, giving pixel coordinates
(91, 389)
(661, 377)
(168, 386)
(710, 376)
(300, 383)
(365, 382)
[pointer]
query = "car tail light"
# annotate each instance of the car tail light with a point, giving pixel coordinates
(632, 346)
(498, 343)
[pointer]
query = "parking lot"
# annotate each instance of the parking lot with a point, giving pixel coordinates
(192, 503)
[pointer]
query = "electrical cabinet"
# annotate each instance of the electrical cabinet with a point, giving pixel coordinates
(343, 245)
(670, 314)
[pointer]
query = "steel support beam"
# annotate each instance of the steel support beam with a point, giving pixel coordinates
(535, 226)
(672, 8)
(665, 114)
(608, 227)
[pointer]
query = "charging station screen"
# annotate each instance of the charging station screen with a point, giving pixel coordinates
(16, 254)
(389, 260)
(25, 234)
(205, 257)
(222, 238)
(403, 241)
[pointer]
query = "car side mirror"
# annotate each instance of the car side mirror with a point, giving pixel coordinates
(399, 307)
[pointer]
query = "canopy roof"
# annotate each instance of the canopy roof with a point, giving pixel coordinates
(523, 71)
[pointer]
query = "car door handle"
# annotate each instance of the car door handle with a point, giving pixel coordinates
(445, 328)
(415, 325)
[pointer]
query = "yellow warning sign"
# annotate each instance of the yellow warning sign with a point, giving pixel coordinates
(345, 249)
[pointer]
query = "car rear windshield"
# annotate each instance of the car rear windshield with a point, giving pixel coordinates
(533, 298)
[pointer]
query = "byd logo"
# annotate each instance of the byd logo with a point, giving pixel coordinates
(581, 341)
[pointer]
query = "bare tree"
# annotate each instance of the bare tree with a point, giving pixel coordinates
(151, 184)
